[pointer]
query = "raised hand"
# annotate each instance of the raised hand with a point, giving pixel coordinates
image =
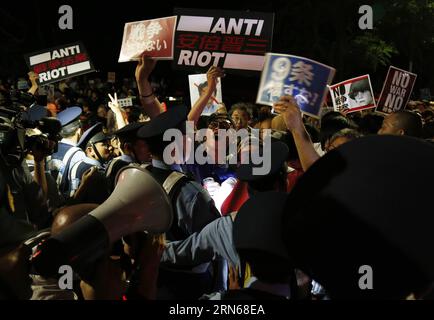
(291, 113)
(114, 104)
(212, 77)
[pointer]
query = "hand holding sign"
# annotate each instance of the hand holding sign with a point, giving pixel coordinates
(212, 78)
(33, 77)
(291, 113)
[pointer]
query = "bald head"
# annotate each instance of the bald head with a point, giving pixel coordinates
(402, 122)
(69, 215)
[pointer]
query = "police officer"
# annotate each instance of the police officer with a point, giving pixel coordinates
(98, 150)
(133, 149)
(193, 207)
(68, 154)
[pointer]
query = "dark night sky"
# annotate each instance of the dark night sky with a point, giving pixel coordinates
(33, 25)
(27, 26)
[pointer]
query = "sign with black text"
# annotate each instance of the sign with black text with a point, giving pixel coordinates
(396, 90)
(353, 95)
(59, 63)
(233, 40)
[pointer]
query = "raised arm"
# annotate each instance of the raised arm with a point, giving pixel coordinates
(287, 106)
(151, 105)
(212, 78)
(116, 108)
(33, 79)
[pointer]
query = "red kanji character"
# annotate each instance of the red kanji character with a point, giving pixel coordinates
(42, 67)
(54, 64)
(210, 43)
(232, 44)
(67, 61)
(187, 41)
(80, 57)
(257, 46)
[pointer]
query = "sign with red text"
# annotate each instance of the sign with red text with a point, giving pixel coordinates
(59, 63)
(153, 38)
(233, 40)
(396, 90)
(352, 95)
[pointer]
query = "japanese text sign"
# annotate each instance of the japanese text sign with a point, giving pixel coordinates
(353, 95)
(59, 63)
(396, 90)
(154, 38)
(304, 79)
(233, 40)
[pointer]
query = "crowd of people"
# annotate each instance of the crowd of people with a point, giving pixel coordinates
(229, 229)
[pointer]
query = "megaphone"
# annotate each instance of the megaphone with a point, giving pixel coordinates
(138, 203)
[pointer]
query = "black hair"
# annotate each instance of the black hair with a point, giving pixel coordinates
(134, 114)
(370, 123)
(313, 132)
(359, 86)
(348, 133)
(242, 106)
(332, 124)
(410, 122)
(157, 145)
(202, 122)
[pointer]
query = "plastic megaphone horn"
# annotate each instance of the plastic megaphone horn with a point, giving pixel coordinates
(138, 203)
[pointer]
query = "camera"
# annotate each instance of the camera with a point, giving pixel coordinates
(47, 141)
(14, 143)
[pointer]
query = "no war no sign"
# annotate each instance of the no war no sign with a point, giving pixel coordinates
(396, 90)
(58, 63)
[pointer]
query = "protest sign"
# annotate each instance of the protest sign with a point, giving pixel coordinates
(59, 63)
(126, 102)
(396, 90)
(111, 77)
(22, 84)
(233, 40)
(302, 78)
(154, 38)
(352, 95)
(198, 82)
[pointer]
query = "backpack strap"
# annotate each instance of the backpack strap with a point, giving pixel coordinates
(172, 180)
(61, 178)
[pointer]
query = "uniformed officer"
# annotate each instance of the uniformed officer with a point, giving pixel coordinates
(193, 207)
(68, 154)
(98, 151)
(133, 149)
